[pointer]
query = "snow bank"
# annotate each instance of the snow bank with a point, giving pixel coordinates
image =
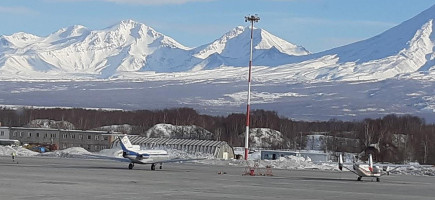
(289, 162)
(416, 170)
(73, 152)
(19, 151)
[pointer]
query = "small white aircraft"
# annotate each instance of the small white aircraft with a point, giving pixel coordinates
(366, 170)
(134, 155)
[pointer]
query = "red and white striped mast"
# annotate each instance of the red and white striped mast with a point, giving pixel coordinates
(252, 19)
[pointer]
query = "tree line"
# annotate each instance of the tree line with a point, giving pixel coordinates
(399, 138)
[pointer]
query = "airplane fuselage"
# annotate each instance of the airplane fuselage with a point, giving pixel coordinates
(146, 156)
(363, 170)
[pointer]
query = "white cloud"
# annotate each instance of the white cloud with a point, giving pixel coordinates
(138, 2)
(17, 10)
(155, 2)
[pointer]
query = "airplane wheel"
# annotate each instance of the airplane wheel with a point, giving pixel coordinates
(153, 167)
(130, 166)
(378, 179)
(359, 178)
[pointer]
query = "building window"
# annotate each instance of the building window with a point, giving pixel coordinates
(89, 137)
(65, 136)
(37, 134)
(30, 134)
(14, 134)
(80, 137)
(97, 137)
(45, 135)
(106, 138)
(64, 146)
(2, 133)
(53, 135)
(21, 134)
(73, 136)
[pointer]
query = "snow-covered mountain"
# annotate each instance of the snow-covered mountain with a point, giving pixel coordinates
(232, 49)
(406, 48)
(129, 47)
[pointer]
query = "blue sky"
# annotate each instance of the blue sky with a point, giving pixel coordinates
(315, 24)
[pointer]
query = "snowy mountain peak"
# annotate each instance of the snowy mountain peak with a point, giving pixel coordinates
(72, 31)
(269, 41)
(18, 40)
(136, 31)
(235, 44)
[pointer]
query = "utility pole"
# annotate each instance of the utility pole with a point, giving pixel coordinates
(252, 19)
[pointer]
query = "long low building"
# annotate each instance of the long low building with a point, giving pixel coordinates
(219, 149)
(62, 139)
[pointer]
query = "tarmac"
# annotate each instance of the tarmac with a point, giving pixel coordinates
(72, 178)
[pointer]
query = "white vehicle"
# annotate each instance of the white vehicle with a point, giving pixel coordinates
(134, 155)
(366, 170)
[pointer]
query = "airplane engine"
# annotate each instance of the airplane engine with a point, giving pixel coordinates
(125, 155)
(131, 157)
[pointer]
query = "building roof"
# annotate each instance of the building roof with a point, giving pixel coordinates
(167, 141)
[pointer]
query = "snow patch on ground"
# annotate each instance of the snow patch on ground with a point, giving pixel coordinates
(19, 151)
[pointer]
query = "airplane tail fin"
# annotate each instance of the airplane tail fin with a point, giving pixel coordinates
(125, 143)
(370, 162)
(340, 162)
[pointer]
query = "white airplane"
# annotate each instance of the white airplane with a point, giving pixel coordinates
(134, 155)
(366, 170)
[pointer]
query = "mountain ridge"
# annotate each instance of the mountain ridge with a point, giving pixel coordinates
(132, 47)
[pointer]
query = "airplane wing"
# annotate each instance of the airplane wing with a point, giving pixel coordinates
(387, 171)
(341, 165)
(179, 160)
(119, 159)
(351, 170)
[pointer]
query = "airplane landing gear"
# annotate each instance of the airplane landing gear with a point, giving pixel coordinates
(153, 167)
(130, 166)
(359, 178)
